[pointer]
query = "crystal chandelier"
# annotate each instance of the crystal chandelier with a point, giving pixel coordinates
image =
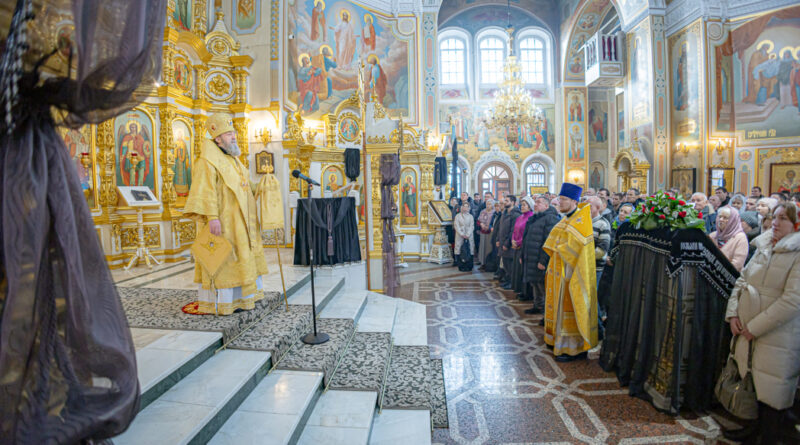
(513, 105)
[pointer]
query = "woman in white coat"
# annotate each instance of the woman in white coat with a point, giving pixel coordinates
(764, 308)
(464, 226)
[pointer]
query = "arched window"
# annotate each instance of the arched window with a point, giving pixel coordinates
(496, 179)
(535, 175)
(492, 55)
(453, 60)
(531, 57)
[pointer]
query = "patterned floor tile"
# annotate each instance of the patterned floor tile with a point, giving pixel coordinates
(503, 385)
(363, 367)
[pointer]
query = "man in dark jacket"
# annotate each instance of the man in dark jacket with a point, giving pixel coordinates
(534, 258)
(506, 229)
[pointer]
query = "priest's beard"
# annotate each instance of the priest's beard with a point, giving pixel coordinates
(231, 149)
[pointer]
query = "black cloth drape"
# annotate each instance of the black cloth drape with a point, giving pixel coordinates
(334, 229)
(454, 186)
(390, 176)
(352, 163)
(440, 171)
(67, 364)
(665, 330)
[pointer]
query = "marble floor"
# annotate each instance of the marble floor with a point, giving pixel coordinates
(503, 385)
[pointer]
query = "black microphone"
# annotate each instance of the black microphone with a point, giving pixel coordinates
(297, 174)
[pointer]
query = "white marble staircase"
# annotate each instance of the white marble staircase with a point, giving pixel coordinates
(196, 394)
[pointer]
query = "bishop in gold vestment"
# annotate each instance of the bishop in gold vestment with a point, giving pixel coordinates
(571, 302)
(222, 198)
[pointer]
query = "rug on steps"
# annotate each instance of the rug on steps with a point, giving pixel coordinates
(438, 396)
(277, 332)
(161, 308)
(323, 357)
(408, 385)
(364, 365)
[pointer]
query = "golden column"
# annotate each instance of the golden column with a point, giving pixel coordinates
(240, 125)
(166, 158)
(107, 195)
(377, 237)
(199, 135)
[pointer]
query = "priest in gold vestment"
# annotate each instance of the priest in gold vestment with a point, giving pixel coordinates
(221, 197)
(571, 303)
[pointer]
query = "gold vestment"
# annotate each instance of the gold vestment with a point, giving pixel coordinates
(221, 190)
(571, 302)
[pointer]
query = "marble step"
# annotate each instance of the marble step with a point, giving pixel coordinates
(365, 362)
(275, 412)
(411, 324)
(401, 427)
(346, 304)
(408, 384)
(164, 357)
(322, 357)
(324, 290)
(340, 418)
(277, 332)
(294, 277)
(194, 409)
(379, 314)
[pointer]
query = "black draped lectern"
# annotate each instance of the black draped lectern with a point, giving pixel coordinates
(666, 331)
(333, 228)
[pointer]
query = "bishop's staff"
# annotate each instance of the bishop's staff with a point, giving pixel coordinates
(362, 95)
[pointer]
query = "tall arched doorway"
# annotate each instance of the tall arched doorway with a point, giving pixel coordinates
(496, 178)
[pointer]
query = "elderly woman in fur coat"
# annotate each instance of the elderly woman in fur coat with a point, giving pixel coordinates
(764, 308)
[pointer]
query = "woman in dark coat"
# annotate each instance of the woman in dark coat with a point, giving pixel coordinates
(538, 227)
(491, 258)
(451, 234)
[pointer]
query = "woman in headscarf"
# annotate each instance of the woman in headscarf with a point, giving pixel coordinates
(752, 229)
(738, 202)
(730, 236)
(485, 227)
(625, 211)
(517, 283)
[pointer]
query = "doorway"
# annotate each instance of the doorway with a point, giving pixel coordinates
(495, 178)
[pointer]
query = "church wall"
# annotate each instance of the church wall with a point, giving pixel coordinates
(639, 88)
(759, 126)
(687, 108)
(600, 121)
(319, 86)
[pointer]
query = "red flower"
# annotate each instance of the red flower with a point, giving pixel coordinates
(700, 214)
(662, 217)
(682, 202)
(682, 214)
(652, 209)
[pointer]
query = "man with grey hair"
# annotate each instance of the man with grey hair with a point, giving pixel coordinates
(706, 212)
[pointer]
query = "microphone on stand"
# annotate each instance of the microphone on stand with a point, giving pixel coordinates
(297, 174)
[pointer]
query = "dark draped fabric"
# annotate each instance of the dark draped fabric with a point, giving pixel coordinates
(440, 171)
(390, 176)
(665, 331)
(334, 229)
(352, 163)
(454, 186)
(68, 364)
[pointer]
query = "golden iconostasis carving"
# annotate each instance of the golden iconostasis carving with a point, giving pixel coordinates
(155, 144)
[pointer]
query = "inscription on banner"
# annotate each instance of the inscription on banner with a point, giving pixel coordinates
(761, 134)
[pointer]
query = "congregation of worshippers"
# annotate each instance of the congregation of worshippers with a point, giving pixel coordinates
(513, 238)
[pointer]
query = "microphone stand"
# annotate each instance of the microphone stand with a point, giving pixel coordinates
(312, 338)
